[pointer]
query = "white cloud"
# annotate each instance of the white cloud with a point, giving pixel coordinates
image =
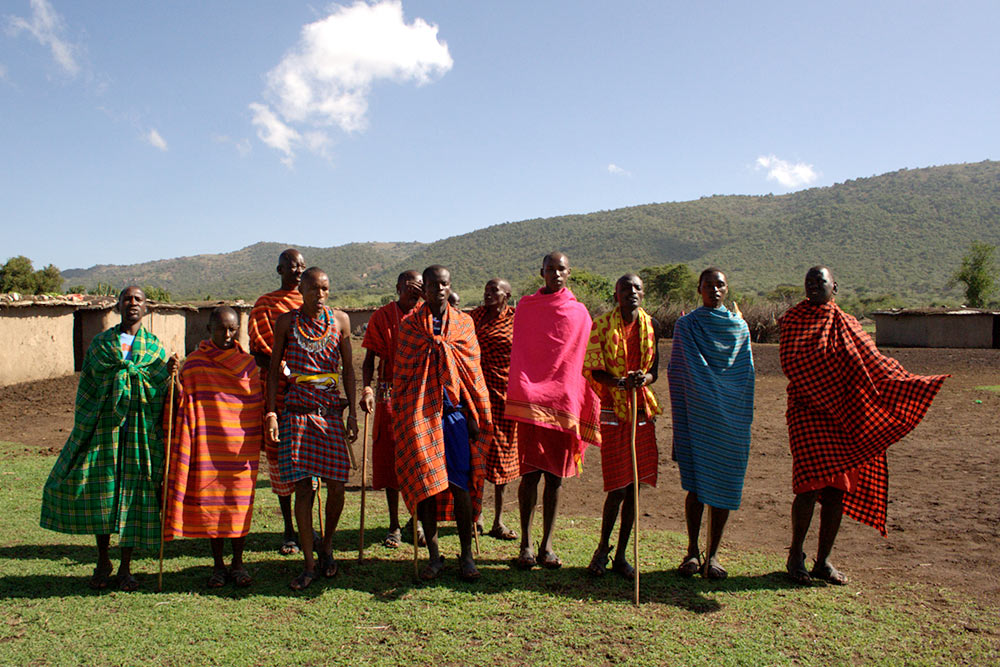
(156, 140)
(242, 146)
(326, 78)
(615, 169)
(47, 26)
(785, 173)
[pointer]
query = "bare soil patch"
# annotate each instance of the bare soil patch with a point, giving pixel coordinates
(944, 493)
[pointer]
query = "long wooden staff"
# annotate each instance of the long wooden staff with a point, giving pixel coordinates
(635, 497)
(364, 484)
(416, 563)
(166, 473)
(319, 509)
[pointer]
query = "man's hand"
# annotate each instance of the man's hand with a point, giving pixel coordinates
(271, 428)
(635, 379)
(367, 402)
(472, 427)
(173, 363)
(352, 428)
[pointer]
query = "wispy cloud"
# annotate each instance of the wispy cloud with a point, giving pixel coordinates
(156, 140)
(3, 72)
(618, 171)
(47, 26)
(787, 174)
(242, 146)
(326, 78)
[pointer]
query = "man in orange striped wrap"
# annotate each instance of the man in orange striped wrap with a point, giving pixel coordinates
(442, 416)
(216, 447)
(260, 330)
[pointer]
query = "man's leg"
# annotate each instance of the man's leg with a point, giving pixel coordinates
(499, 530)
(219, 572)
(527, 498)
(621, 564)
(334, 506)
(831, 512)
(126, 582)
(285, 503)
(693, 510)
(718, 522)
(392, 502)
(303, 517)
(463, 517)
(427, 513)
(104, 568)
(550, 509)
(802, 511)
(599, 562)
(238, 571)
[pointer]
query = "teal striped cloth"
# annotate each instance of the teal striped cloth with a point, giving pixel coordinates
(711, 379)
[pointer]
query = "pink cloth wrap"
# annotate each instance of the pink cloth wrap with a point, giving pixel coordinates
(547, 387)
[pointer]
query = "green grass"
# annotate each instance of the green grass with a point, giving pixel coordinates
(374, 613)
(994, 388)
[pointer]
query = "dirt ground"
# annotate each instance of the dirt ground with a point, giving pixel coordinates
(944, 486)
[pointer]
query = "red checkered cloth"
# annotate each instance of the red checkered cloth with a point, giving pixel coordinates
(313, 439)
(495, 335)
(380, 338)
(426, 367)
(260, 331)
(846, 404)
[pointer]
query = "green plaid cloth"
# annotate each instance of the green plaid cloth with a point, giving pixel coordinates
(106, 477)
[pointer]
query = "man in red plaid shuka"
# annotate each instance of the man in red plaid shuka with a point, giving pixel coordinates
(846, 404)
(442, 418)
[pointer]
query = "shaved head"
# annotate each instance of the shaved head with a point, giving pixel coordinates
(313, 274)
(556, 257)
(220, 313)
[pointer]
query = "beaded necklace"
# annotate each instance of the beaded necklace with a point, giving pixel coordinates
(313, 343)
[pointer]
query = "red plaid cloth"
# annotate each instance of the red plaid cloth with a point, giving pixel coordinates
(260, 331)
(846, 404)
(380, 338)
(426, 367)
(495, 336)
(313, 444)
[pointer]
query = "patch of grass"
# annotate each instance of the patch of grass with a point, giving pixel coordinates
(373, 613)
(994, 388)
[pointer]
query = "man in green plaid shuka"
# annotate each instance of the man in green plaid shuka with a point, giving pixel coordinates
(106, 477)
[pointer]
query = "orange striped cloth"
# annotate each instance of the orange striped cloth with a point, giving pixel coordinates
(427, 366)
(260, 330)
(216, 445)
(495, 335)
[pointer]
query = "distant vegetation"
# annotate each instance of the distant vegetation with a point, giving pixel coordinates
(19, 275)
(894, 239)
(978, 273)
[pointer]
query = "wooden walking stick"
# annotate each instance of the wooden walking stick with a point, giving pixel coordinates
(416, 564)
(475, 534)
(635, 497)
(319, 509)
(166, 473)
(364, 484)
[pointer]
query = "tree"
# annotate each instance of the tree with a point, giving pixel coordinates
(48, 280)
(670, 282)
(977, 273)
(17, 275)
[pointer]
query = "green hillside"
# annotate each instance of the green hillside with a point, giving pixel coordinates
(902, 233)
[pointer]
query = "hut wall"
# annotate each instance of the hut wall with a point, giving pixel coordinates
(37, 343)
(964, 331)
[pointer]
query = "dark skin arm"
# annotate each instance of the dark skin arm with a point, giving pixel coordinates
(346, 352)
(281, 328)
(367, 375)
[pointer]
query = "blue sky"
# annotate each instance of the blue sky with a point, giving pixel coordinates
(137, 131)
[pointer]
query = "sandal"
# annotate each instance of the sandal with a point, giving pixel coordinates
(241, 577)
(502, 532)
(711, 569)
(433, 569)
(101, 578)
(328, 566)
(690, 566)
(289, 548)
(469, 571)
(393, 539)
(797, 570)
(829, 574)
(218, 579)
(599, 563)
(550, 561)
(526, 560)
(623, 568)
(127, 583)
(302, 582)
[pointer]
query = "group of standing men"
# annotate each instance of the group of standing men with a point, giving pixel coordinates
(461, 399)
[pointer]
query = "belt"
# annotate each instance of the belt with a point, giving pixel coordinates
(609, 418)
(322, 411)
(383, 392)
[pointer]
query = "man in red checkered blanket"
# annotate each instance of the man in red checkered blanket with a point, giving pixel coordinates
(846, 404)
